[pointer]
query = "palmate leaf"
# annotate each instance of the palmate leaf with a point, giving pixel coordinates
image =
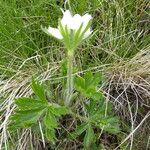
(79, 130)
(87, 85)
(99, 112)
(39, 91)
(89, 137)
(89, 80)
(58, 110)
(92, 80)
(93, 94)
(79, 84)
(98, 116)
(50, 120)
(53, 113)
(25, 103)
(25, 118)
(110, 124)
(96, 108)
(29, 110)
(50, 134)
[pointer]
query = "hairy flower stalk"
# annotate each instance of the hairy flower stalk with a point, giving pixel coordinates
(69, 89)
(72, 30)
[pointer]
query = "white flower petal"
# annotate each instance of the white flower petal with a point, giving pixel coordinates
(67, 18)
(85, 20)
(76, 22)
(55, 32)
(87, 33)
(72, 22)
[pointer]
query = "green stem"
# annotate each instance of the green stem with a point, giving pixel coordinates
(69, 89)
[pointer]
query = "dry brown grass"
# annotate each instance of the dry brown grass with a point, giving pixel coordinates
(129, 89)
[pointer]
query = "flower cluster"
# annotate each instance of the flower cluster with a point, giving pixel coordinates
(71, 29)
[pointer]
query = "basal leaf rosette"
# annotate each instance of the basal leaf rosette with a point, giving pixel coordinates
(72, 30)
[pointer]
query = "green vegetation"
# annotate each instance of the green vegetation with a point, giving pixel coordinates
(109, 111)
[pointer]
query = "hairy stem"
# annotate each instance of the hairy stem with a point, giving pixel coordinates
(69, 89)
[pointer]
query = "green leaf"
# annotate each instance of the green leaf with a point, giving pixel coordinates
(79, 83)
(50, 135)
(50, 120)
(89, 137)
(88, 76)
(96, 112)
(111, 125)
(59, 110)
(91, 107)
(79, 130)
(25, 119)
(97, 96)
(92, 80)
(88, 85)
(96, 147)
(39, 91)
(90, 91)
(98, 79)
(24, 103)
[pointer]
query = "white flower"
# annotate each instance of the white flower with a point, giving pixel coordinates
(55, 32)
(72, 26)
